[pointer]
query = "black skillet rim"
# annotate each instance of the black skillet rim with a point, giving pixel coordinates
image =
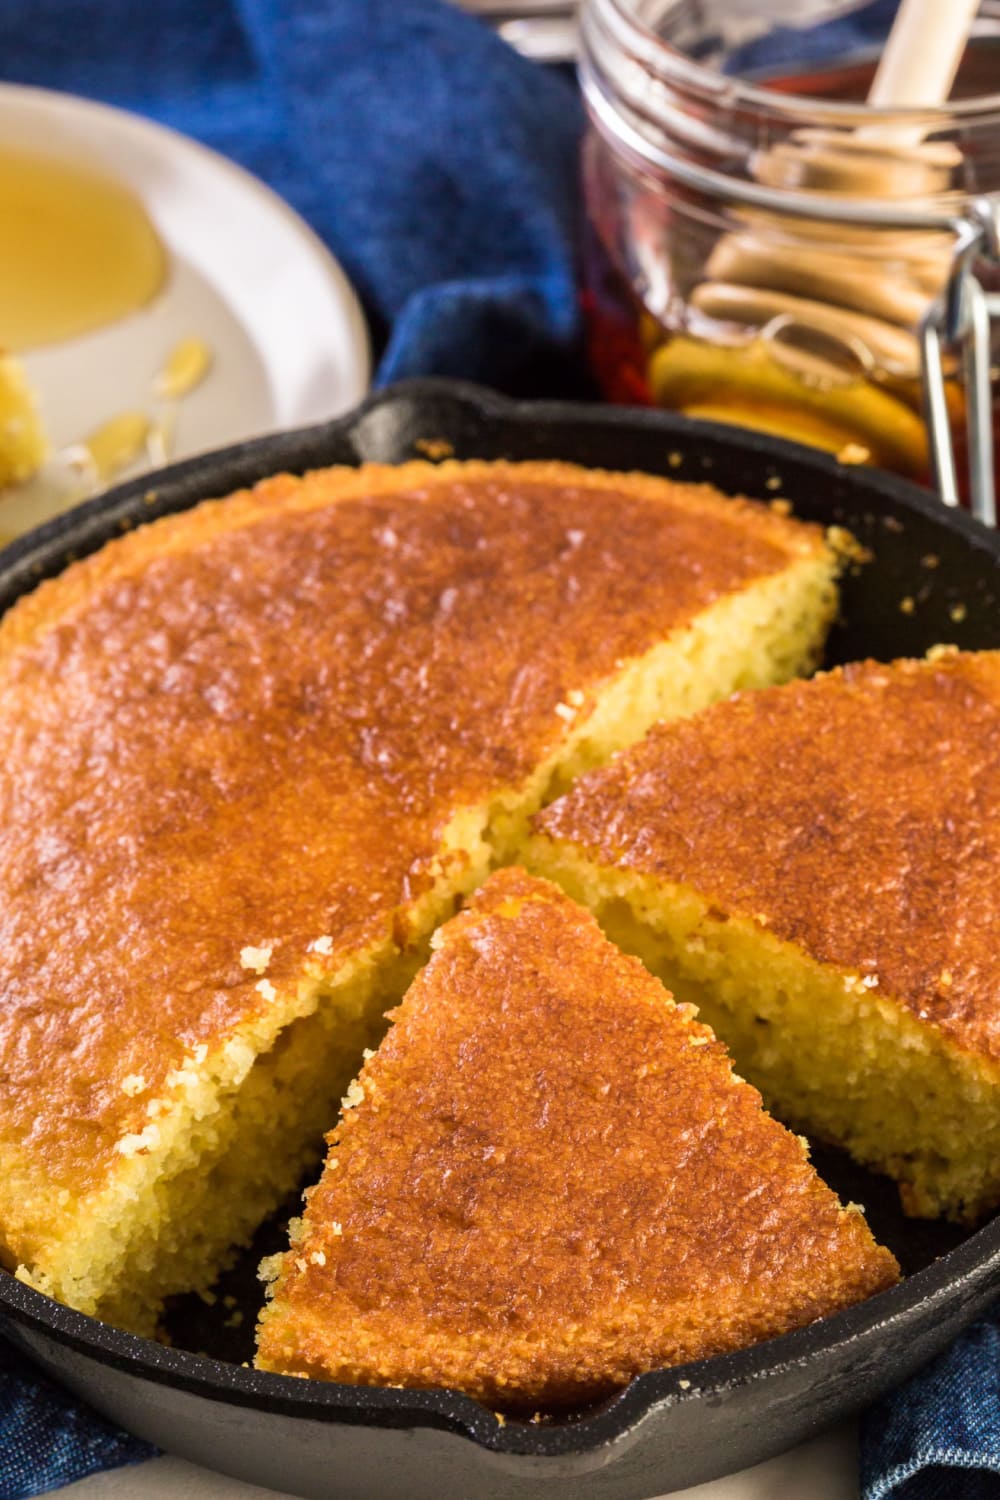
(968, 1267)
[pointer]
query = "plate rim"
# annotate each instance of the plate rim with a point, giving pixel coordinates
(159, 137)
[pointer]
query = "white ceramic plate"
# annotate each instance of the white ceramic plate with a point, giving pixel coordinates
(246, 275)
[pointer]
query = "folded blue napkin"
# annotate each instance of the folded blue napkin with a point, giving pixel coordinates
(938, 1436)
(441, 170)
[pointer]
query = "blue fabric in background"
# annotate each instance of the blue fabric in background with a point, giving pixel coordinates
(441, 170)
(47, 1439)
(439, 167)
(938, 1436)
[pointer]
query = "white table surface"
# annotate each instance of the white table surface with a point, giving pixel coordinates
(823, 1469)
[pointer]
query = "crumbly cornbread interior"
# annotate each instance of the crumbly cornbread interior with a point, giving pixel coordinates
(251, 1125)
(22, 438)
(815, 868)
(239, 1119)
(896, 1095)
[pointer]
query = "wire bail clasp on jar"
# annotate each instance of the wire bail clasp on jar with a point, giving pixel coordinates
(958, 325)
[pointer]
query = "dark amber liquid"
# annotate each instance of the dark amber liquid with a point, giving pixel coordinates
(872, 419)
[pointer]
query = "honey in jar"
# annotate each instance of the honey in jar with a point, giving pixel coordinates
(750, 257)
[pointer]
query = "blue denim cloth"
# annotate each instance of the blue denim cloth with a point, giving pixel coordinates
(441, 171)
(47, 1439)
(938, 1436)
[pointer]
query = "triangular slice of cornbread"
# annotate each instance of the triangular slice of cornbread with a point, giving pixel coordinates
(818, 867)
(251, 755)
(548, 1180)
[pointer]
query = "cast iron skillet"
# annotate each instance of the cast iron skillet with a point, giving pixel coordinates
(934, 576)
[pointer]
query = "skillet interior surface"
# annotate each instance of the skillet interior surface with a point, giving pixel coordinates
(932, 576)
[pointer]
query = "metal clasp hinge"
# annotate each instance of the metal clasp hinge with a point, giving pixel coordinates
(957, 329)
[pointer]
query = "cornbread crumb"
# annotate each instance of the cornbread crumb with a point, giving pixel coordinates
(23, 447)
(958, 613)
(322, 944)
(235, 1319)
(336, 1228)
(183, 1077)
(434, 448)
(906, 605)
(256, 959)
(354, 1096)
(318, 1258)
(854, 453)
(774, 482)
(137, 1143)
(270, 1268)
(266, 989)
(684, 1385)
(566, 712)
(575, 698)
(846, 545)
(133, 1084)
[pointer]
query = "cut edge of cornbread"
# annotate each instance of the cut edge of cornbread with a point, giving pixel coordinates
(23, 446)
(897, 1095)
(768, 633)
(291, 1331)
(218, 1154)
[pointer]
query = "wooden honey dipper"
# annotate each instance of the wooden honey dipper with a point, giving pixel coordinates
(830, 315)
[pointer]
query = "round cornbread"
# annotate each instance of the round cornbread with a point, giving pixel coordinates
(250, 755)
(548, 1180)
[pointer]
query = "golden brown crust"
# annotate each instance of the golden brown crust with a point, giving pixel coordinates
(857, 815)
(550, 1181)
(247, 724)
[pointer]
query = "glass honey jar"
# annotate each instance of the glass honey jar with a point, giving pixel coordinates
(775, 253)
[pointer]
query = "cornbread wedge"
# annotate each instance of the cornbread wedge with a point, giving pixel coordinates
(818, 867)
(548, 1180)
(249, 758)
(23, 447)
